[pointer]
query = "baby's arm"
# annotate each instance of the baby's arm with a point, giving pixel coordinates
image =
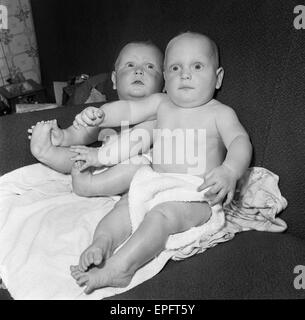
(222, 179)
(128, 144)
(114, 113)
(236, 140)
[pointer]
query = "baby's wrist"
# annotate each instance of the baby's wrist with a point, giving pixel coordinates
(235, 174)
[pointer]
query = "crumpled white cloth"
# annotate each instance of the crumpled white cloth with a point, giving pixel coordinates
(44, 228)
(257, 202)
(149, 188)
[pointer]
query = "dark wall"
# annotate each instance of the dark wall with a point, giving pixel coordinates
(254, 36)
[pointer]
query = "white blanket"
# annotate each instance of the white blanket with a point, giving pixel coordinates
(44, 227)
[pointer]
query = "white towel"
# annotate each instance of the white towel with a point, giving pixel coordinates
(149, 188)
(44, 228)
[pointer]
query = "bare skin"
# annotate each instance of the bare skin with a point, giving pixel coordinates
(117, 270)
(115, 180)
(191, 77)
(43, 149)
(137, 74)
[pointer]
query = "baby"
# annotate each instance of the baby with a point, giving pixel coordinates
(192, 73)
(137, 74)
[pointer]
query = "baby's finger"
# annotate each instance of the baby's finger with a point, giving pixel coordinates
(84, 166)
(207, 183)
(79, 149)
(213, 190)
(87, 120)
(229, 198)
(79, 157)
(80, 146)
(99, 114)
(218, 198)
(30, 137)
(76, 125)
(90, 113)
(30, 130)
(79, 120)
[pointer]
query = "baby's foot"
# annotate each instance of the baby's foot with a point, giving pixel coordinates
(96, 253)
(41, 143)
(81, 180)
(111, 275)
(57, 134)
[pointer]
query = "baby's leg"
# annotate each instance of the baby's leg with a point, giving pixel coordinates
(146, 243)
(111, 231)
(113, 181)
(43, 150)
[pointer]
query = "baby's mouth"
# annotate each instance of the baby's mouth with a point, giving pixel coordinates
(185, 88)
(138, 83)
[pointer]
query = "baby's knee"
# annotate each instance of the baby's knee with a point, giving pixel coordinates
(163, 214)
(80, 188)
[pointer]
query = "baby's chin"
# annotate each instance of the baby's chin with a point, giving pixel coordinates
(188, 103)
(139, 93)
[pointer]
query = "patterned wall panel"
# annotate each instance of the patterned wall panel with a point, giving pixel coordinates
(18, 47)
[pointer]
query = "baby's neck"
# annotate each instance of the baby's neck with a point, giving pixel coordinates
(196, 108)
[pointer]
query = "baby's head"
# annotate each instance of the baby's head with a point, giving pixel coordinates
(138, 71)
(191, 69)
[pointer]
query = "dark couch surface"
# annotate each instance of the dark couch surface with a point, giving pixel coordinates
(263, 57)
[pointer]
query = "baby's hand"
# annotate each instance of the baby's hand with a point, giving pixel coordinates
(222, 181)
(87, 154)
(91, 116)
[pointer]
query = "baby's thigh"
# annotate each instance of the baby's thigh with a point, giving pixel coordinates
(137, 161)
(184, 215)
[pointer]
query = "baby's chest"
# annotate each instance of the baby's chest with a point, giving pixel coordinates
(187, 121)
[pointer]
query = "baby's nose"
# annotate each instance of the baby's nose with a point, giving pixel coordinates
(186, 75)
(139, 71)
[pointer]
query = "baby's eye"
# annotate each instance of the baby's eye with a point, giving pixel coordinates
(198, 66)
(130, 65)
(175, 68)
(150, 66)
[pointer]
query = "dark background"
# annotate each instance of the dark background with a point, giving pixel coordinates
(255, 38)
(85, 36)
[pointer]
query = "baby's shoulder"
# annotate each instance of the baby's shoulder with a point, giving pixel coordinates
(152, 101)
(219, 106)
(159, 97)
(160, 100)
(220, 109)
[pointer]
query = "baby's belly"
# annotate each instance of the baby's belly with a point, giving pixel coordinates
(189, 154)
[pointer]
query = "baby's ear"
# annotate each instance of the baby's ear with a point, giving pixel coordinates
(113, 79)
(219, 74)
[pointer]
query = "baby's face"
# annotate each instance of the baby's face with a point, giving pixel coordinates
(191, 72)
(138, 72)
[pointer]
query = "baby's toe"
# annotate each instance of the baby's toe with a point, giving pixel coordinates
(83, 262)
(76, 275)
(90, 258)
(83, 279)
(89, 288)
(74, 268)
(98, 257)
